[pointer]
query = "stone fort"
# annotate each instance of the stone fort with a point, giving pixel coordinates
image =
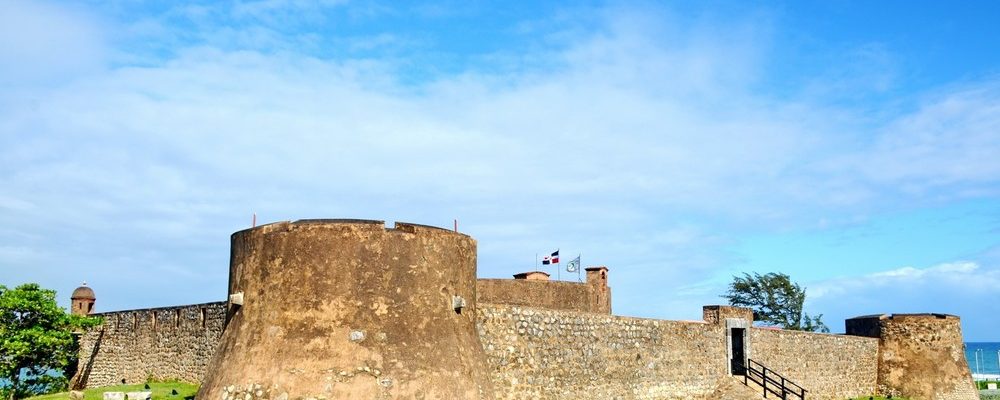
(351, 309)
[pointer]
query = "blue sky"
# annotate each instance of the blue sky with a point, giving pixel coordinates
(853, 145)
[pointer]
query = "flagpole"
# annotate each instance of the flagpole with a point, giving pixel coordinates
(558, 269)
(579, 267)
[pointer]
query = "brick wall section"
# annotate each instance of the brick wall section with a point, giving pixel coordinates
(828, 366)
(162, 343)
(554, 295)
(535, 353)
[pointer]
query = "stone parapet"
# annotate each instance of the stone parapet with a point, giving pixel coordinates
(555, 295)
(160, 343)
(536, 353)
(830, 367)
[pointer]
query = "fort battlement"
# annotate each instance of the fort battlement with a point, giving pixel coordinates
(344, 309)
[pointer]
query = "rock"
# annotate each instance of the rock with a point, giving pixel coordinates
(75, 395)
(114, 395)
(140, 395)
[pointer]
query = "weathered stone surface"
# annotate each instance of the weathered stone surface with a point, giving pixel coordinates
(733, 388)
(114, 395)
(139, 395)
(348, 309)
(162, 343)
(535, 353)
(921, 356)
(717, 314)
(75, 395)
(555, 295)
(828, 366)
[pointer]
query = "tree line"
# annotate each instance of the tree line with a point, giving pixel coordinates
(38, 350)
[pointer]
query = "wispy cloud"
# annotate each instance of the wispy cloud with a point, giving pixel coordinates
(642, 143)
(965, 288)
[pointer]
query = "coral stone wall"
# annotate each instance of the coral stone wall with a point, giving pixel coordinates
(921, 356)
(535, 353)
(555, 295)
(161, 343)
(350, 309)
(718, 314)
(828, 366)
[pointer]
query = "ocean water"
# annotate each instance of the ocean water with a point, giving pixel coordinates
(983, 357)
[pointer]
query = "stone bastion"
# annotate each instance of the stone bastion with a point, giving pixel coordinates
(350, 309)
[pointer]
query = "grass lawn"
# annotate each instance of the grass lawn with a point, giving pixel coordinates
(982, 384)
(161, 391)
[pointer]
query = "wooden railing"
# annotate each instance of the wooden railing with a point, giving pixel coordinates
(772, 382)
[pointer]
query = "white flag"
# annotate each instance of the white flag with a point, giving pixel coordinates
(573, 265)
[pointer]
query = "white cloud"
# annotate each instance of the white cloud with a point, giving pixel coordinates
(968, 274)
(965, 288)
(618, 145)
(952, 139)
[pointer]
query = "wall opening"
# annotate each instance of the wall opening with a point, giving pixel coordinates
(738, 350)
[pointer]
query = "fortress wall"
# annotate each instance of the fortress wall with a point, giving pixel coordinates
(162, 343)
(555, 295)
(828, 366)
(921, 356)
(535, 353)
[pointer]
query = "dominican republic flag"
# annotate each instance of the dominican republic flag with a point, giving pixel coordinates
(551, 259)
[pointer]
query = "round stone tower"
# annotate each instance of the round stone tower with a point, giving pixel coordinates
(82, 301)
(349, 309)
(920, 356)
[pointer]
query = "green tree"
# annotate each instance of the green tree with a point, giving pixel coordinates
(774, 299)
(36, 341)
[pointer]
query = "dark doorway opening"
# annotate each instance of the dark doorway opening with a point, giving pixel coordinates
(738, 362)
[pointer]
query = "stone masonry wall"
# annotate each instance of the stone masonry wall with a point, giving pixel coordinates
(554, 295)
(535, 353)
(158, 343)
(922, 356)
(828, 366)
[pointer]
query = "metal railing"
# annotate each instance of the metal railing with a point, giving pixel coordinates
(772, 382)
